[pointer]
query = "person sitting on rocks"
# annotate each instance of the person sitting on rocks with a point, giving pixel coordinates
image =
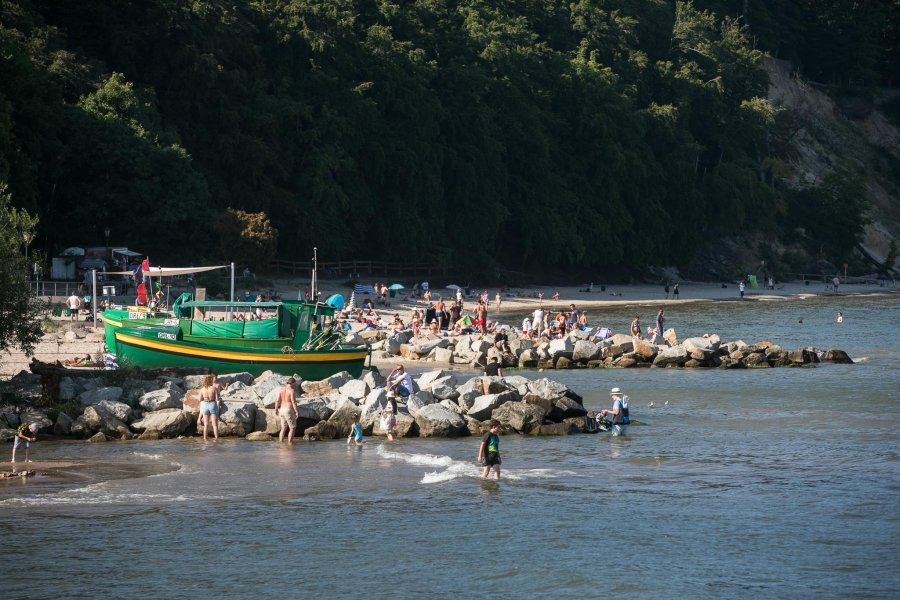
(399, 382)
(501, 342)
(398, 325)
(434, 328)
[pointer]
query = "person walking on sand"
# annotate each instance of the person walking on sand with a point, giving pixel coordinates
(741, 288)
(499, 300)
(489, 451)
(26, 435)
(209, 406)
(286, 409)
(667, 289)
(481, 317)
(675, 291)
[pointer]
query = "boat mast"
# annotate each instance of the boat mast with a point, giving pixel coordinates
(313, 292)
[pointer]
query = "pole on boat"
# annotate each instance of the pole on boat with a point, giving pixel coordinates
(94, 294)
(231, 308)
(313, 292)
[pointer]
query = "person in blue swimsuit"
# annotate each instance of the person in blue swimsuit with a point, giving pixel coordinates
(356, 431)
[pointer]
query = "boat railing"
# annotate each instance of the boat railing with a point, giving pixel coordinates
(327, 339)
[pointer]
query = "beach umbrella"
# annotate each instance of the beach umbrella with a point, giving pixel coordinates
(396, 286)
(453, 286)
(335, 300)
(352, 303)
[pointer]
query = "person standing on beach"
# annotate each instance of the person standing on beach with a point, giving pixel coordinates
(499, 300)
(286, 409)
(26, 434)
(675, 291)
(667, 289)
(481, 316)
(489, 451)
(741, 288)
(389, 417)
(73, 303)
(439, 312)
(209, 406)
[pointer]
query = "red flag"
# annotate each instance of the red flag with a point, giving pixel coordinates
(141, 294)
(145, 266)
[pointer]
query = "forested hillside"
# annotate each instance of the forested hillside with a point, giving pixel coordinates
(550, 133)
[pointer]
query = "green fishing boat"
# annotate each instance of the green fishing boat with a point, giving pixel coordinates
(137, 316)
(297, 339)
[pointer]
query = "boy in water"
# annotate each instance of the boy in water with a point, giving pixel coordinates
(489, 451)
(25, 434)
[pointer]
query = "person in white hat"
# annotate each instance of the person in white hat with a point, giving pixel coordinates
(619, 411)
(26, 434)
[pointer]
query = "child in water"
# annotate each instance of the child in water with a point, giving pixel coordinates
(356, 431)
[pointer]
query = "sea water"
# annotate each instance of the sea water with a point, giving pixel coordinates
(755, 483)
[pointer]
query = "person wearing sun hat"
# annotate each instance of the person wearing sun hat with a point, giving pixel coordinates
(619, 411)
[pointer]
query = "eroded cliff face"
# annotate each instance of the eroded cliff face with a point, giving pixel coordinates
(823, 132)
(828, 131)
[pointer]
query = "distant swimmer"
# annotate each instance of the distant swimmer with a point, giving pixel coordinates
(840, 318)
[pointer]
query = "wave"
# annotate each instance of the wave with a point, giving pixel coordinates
(454, 469)
(148, 455)
(861, 359)
(92, 494)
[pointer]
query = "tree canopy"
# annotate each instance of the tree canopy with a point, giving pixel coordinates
(467, 132)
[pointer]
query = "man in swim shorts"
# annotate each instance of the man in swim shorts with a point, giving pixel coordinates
(286, 409)
(489, 451)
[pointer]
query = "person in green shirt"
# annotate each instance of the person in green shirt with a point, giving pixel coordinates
(489, 451)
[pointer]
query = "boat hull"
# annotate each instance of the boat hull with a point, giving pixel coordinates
(150, 349)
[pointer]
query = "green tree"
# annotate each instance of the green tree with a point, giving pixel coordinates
(20, 309)
(247, 238)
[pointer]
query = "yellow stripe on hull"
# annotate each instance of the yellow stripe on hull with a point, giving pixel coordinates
(237, 355)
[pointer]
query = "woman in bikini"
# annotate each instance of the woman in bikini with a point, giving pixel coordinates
(209, 406)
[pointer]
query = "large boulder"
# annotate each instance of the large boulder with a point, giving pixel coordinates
(344, 417)
(230, 378)
(316, 409)
(99, 394)
(193, 381)
(238, 418)
(517, 383)
(238, 392)
(167, 397)
(837, 356)
(97, 418)
(645, 350)
(425, 347)
(119, 410)
(371, 409)
(528, 359)
(273, 381)
(675, 355)
(416, 401)
(444, 388)
(191, 401)
(323, 430)
(67, 389)
(708, 344)
(393, 343)
(267, 421)
(169, 422)
(63, 425)
(373, 379)
(519, 416)
(435, 420)
(323, 387)
(564, 408)
(584, 351)
(558, 347)
(670, 337)
(547, 388)
(483, 406)
(355, 390)
(425, 380)
(405, 426)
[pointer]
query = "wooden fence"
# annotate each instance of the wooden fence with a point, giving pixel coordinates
(351, 268)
